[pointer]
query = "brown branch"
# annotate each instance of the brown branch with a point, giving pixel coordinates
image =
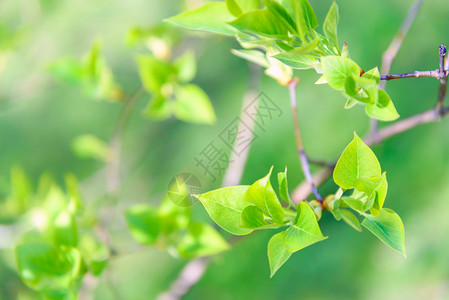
(417, 74)
(304, 190)
(392, 50)
(300, 147)
(443, 79)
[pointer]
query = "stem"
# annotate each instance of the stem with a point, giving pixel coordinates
(443, 80)
(435, 74)
(302, 154)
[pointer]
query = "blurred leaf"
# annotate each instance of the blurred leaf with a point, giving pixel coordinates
(384, 109)
(356, 161)
(234, 7)
(143, 223)
(90, 146)
(277, 253)
(211, 17)
(186, 67)
(388, 227)
(65, 231)
(262, 195)
(260, 21)
(252, 217)
(94, 253)
(200, 240)
(68, 70)
(237, 7)
(154, 73)
(330, 26)
(159, 108)
(336, 69)
(22, 189)
(172, 217)
(73, 192)
(193, 105)
(305, 230)
(225, 207)
(350, 219)
(44, 267)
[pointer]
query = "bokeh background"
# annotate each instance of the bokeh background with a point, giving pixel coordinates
(40, 117)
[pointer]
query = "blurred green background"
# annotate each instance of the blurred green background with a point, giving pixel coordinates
(40, 117)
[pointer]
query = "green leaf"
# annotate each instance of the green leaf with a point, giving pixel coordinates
(305, 17)
(68, 70)
(350, 102)
(351, 88)
(262, 195)
(350, 219)
(225, 207)
(356, 161)
(381, 194)
(384, 109)
(261, 21)
(234, 7)
(369, 86)
(252, 217)
(297, 61)
(46, 267)
(95, 254)
(330, 25)
(159, 108)
(277, 253)
(143, 223)
(172, 217)
(90, 146)
(359, 201)
(154, 73)
(253, 56)
(372, 74)
(186, 67)
(65, 231)
(193, 105)
(283, 186)
(281, 14)
(201, 240)
(22, 189)
(388, 227)
(73, 192)
(211, 17)
(336, 69)
(305, 230)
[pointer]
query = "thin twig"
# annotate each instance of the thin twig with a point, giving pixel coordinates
(304, 190)
(392, 50)
(300, 147)
(194, 270)
(115, 144)
(417, 74)
(443, 79)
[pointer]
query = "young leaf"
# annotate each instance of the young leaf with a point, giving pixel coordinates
(143, 223)
(261, 21)
(234, 7)
(281, 14)
(211, 17)
(154, 73)
(383, 109)
(225, 207)
(46, 267)
(65, 231)
(200, 240)
(372, 74)
(159, 108)
(252, 217)
(297, 61)
(262, 195)
(388, 227)
(277, 253)
(186, 67)
(172, 217)
(330, 25)
(336, 69)
(356, 161)
(305, 230)
(351, 219)
(381, 194)
(193, 105)
(253, 56)
(304, 16)
(95, 254)
(90, 146)
(283, 186)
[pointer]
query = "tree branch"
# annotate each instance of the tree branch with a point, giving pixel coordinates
(392, 50)
(302, 154)
(443, 79)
